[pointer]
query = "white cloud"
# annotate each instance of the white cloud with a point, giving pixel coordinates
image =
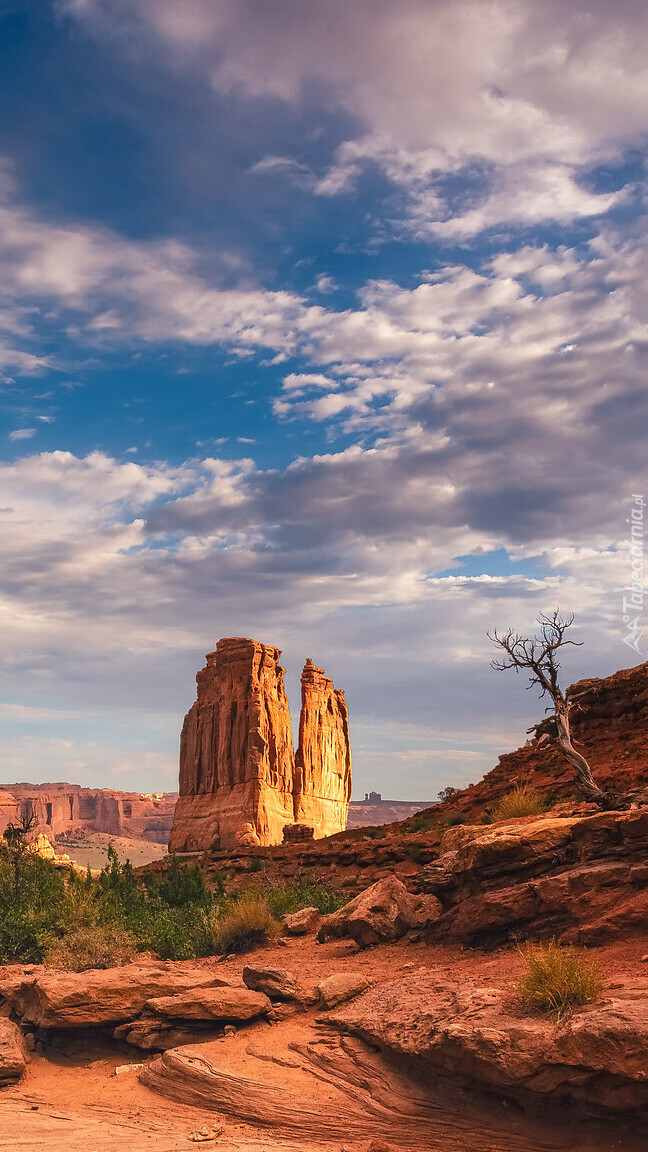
(532, 92)
(22, 433)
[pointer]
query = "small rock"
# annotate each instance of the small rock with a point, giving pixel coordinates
(379, 1146)
(200, 1135)
(30, 1041)
(302, 922)
(278, 983)
(644, 959)
(229, 1030)
(121, 1068)
(341, 986)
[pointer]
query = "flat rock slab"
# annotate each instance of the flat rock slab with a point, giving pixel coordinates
(13, 1052)
(58, 999)
(223, 1004)
(597, 1057)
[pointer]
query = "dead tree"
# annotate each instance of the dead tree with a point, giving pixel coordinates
(537, 656)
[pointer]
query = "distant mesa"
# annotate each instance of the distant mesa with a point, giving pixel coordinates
(60, 810)
(241, 783)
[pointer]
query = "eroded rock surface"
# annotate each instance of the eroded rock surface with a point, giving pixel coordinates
(583, 879)
(51, 998)
(383, 912)
(240, 785)
(61, 809)
(595, 1057)
(323, 758)
(13, 1052)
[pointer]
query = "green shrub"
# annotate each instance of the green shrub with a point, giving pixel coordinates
(303, 893)
(557, 979)
(207, 932)
(247, 924)
(521, 801)
(455, 820)
(92, 946)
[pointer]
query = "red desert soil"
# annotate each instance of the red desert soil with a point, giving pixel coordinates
(70, 1100)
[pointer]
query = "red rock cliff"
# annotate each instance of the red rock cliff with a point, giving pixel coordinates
(239, 782)
(62, 808)
(323, 759)
(236, 752)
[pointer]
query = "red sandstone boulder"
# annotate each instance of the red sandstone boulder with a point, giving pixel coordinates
(13, 1052)
(386, 911)
(56, 999)
(223, 1003)
(275, 982)
(302, 922)
(340, 987)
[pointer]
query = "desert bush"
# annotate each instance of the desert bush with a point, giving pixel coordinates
(455, 820)
(303, 893)
(521, 801)
(246, 924)
(32, 904)
(419, 823)
(206, 936)
(558, 978)
(92, 946)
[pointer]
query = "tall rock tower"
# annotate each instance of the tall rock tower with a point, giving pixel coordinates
(236, 752)
(323, 759)
(240, 782)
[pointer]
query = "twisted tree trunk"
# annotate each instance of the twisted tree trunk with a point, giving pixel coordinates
(584, 779)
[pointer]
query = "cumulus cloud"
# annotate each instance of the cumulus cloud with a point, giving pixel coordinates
(532, 94)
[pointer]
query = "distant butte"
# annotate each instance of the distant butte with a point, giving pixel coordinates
(241, 784)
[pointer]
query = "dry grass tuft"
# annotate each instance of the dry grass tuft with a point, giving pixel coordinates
(248, 924)
(558, 979)
(521, 801)
(92, 946)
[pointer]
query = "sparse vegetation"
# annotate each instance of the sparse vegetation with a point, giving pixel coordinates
(447, 793)
(247, 924)
(92, 946)
(521, 801)
(420, 822)
(80, 921)
(557, 979)
(303, 893)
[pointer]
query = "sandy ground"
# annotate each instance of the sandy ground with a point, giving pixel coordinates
(72, 1101)
(92, 848)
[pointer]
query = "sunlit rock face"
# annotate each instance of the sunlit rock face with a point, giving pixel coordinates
(240, 784)
(323, 759)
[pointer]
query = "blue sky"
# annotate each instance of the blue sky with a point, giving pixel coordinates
(324, 325)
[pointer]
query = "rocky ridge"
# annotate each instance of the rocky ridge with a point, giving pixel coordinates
(61, 809)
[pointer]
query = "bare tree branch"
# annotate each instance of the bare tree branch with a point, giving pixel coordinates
(537, 655)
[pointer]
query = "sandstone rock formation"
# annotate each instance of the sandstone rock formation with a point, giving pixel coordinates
(13, 1052)
(468, 1031)
(385, 911)
(59, 809)
(240, 784)
(582, 879)
(323, 758)
(50, 998)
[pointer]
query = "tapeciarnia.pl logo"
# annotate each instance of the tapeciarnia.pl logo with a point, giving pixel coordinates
(634, 592)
